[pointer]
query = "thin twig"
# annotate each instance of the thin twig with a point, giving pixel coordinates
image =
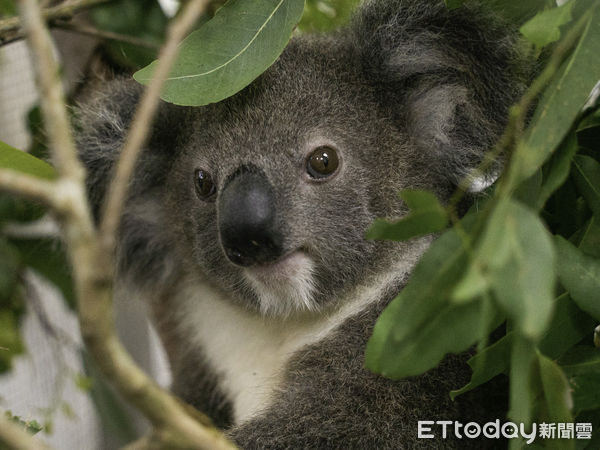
(27, 186)
(85, 30)
(52, 97)
(138, 134)
(95, 32)
(63, 10)
(16, 438)
(176, 426)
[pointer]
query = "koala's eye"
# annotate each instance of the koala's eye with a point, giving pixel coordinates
(204, 184)
(322, 162)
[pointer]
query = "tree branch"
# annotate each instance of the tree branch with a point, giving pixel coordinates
(27, 186)
(64, 10)
(138, 133)
(95, 32)
(16, 438)
(176, 425)
(52, 97)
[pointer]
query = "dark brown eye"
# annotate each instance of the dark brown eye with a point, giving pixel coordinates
(204, 184)
(322, 162)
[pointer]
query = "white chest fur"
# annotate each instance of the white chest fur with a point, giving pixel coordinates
(249, 352)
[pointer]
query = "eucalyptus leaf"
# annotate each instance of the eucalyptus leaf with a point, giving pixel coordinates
(422, 325)
(10, 266)
(517, 251)
(522, 359)
(561, 102)
(110, 408)
(580, 275)
(528, 192)
(516, 11)
(556, 391)
(326, 15)
(590, 121)
(587, 178)
(142, 19)
(15, 209)
(591, 417)
(544, 27)
(11, 158)
(558, 169)
(7, 8)
(590, 238)
(580, 360)
(586, 391)
(426, 216)
(568, 326)
(228, 52)
(48, 258)
(10, 340)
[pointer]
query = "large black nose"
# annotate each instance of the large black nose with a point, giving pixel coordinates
(247, 222)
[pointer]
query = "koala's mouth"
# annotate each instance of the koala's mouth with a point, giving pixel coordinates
(288, 267)
(284, 286)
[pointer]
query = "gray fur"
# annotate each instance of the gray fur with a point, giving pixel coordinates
(411, 95)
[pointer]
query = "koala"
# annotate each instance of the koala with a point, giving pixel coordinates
(244, 226)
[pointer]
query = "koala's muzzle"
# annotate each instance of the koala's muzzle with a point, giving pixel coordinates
(247, 224)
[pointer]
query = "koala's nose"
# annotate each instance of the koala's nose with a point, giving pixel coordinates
(246, 220)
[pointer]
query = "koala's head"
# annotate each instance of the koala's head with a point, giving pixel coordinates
(268, 194)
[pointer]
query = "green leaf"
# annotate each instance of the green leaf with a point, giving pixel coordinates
(592, 417)
(522, 359)
(518, 11)
(109, 407)
(582, 366)
(48, 258)
(558, 169)
(453, 4)
(31, 426)
(7, 8)
(556, 391)
(488, 363)
(561, 102)
(426, 216)
(227, 53)
(590, 239)
(326, 15)
(84, 383)
(10, 340)
(528, 192)
(590, 121)
(518, 255)
(10, 265)
(586, 391)
(11, 158)
(580, 275)
(421, 325)
(544, 28)
(581, 360)
(14, 209)
(142, 19)
(568, 326)
(587, 178)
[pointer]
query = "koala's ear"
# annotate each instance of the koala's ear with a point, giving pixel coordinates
(448, 77)
(102, 121)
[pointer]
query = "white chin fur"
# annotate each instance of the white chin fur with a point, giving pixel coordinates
(284, 287)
